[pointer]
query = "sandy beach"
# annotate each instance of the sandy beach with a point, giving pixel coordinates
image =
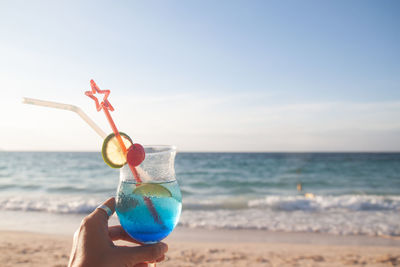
(189, 247)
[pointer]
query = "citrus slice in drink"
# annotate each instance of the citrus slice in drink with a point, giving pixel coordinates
(152, 190)
(112, 152)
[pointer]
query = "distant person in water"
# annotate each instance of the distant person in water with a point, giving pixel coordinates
(300, 189)
(93, 243)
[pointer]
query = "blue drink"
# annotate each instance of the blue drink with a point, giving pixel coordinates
(149, 211)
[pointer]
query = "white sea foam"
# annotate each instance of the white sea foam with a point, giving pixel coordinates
(300, 202)
(340, 223)
(50, 204)
(323, 203)
(343, 215)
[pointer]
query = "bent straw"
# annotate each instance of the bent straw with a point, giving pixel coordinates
(50, 104)
(79, 111)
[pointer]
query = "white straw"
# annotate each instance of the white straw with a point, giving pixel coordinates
(85, 117)
(72, 108)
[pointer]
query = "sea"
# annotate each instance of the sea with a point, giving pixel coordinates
(341, 193)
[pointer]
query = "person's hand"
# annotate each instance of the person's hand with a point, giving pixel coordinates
(93, 244)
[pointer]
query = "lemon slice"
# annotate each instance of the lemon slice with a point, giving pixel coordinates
(152, 190)
(112, 152)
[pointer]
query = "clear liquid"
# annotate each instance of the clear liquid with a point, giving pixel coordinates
(148, 218)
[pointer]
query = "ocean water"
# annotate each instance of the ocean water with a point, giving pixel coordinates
(348, 193)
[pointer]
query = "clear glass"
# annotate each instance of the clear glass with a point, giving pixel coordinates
(150, 210)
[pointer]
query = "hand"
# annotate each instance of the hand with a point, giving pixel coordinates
(93, 244)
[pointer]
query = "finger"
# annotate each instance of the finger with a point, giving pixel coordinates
(161, 259)
(116, 232)
(139, 254)
(102, 214)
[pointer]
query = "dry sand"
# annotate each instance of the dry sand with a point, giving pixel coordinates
(220, 248)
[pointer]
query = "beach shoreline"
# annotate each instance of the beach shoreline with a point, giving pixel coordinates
(66, 224)
(202, 247)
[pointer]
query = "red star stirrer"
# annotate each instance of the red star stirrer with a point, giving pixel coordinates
(106, 107)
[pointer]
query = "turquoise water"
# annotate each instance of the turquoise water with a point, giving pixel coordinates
(353, 193)
(150, 218)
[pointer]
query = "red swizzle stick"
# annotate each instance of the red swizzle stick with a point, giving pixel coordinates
(106, 106)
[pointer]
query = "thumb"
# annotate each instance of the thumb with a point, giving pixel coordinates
(102, 212)
(146, 253)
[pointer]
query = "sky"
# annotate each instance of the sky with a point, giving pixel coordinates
(204, 75)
